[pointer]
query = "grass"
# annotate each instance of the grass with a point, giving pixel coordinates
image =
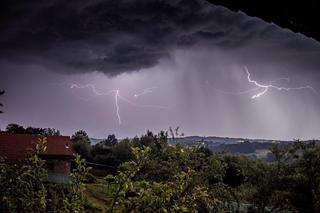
(98, 194)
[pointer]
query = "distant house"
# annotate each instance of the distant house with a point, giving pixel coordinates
(58, 156)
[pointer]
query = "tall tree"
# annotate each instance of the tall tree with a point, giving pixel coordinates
(15, 128)
(1, 93)
(110, 141)
(81, 143)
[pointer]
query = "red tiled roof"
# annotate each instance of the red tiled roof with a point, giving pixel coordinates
(17, 146)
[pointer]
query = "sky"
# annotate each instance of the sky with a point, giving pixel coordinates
(165, 62)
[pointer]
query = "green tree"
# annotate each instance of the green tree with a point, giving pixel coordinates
(81, 144)
(110, 141)
(122, 151)
(24, 187)
(15, 128)
(75, 201)
(22, 184)
(1, 93)
(183, 193)
(303, 177)
(42, 131)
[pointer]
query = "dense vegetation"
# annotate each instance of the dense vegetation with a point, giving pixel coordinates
(17, 129)
(154, 176)
(24, 187)
(158, 177)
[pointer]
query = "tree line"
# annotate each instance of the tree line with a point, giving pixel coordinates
(18, 129)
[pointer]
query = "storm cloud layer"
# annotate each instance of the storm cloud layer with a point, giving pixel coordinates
(192, 54)
(119, 36)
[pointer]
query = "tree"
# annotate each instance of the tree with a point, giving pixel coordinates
(233, 174)
(304, 177)
(110, 141)
(75, 201)
(15, 128)
(102, 154)
(182, 193)
(42, 131)
(122, 151)
(1, 93)
(22, 184)
(81, 144)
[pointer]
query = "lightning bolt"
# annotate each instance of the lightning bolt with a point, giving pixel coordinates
(265, 88)
(117, 97)
(144, 92)
(236, 93)
(97, 93)
(117, 106)
(249, 90)
(93, 88)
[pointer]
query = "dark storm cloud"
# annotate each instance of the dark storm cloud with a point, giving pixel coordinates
(117, 36)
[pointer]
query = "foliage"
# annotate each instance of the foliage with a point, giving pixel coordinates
(22, 184)
(17, 129)
(112, 153)
(154, 176)
(110, 141)
(75, 201)
(290, 183)
(165, 178)
(183, 193)
(1, 93)
(24, 187)
(70, 197)
(81, 144)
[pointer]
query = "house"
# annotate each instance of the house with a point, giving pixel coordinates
(58, 156)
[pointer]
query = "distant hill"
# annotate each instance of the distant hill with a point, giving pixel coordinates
(214, 141)
(253, 148)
